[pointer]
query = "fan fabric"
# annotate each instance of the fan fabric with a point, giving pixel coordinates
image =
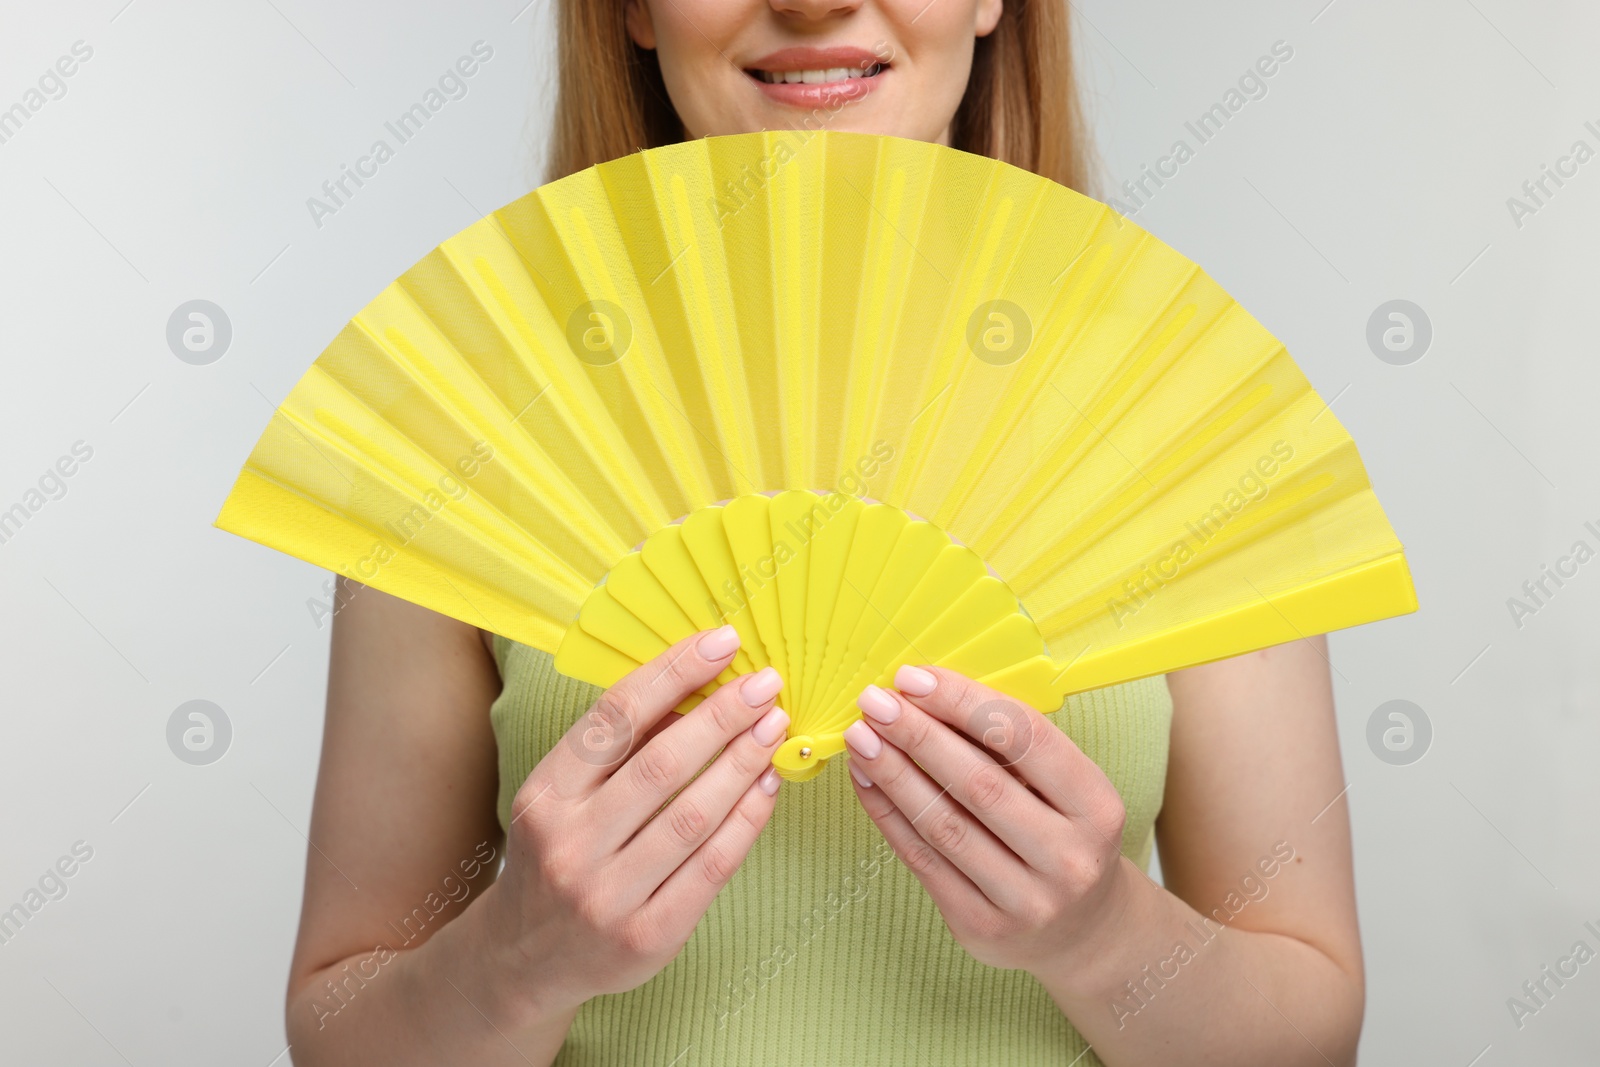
(1121, 443)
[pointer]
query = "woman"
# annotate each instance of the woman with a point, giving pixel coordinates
(662, 901)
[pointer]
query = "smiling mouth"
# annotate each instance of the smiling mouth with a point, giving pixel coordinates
(829, 76)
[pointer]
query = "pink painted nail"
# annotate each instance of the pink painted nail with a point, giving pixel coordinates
(770, 781)
(878, 704)
(719, 643)
(770, 727)
(860, 776)
(761, 687)
(863, 740)
(914, 681)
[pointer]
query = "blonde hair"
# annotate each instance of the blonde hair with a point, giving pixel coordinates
(1021, 104)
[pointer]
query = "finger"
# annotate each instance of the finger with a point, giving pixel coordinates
(946, 884)
(988, 791)
(659, 725)
(663, 845)
(673, 757)
(604, 736)
(691, 888)
(1022, 739)
(938, 819)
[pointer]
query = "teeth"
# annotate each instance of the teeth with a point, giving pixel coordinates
(818, 77)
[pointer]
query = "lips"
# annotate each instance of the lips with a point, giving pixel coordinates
(813, 77)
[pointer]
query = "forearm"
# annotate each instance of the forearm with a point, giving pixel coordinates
(1157, 976)
(441, 1002)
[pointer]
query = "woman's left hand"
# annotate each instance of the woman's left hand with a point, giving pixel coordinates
(1013, 831)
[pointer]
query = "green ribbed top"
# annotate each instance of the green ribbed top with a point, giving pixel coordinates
(824, 949)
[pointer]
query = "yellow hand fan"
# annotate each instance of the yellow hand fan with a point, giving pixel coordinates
(873, 401)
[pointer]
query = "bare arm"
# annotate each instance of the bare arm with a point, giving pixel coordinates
(405, 794)
(409, 952)
(1262, 897)
(1255, 767)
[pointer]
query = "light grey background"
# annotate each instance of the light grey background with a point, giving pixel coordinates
(177, 166)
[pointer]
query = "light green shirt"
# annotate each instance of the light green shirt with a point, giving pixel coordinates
(824, 949)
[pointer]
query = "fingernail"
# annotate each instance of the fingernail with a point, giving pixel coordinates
(878, 704)
(859, 775)
(914, 681)
(769, 781)
(761, 687)
(719, 643)
(863, 739)
(770, 727)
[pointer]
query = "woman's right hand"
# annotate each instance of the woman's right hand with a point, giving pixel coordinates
(604, 879)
